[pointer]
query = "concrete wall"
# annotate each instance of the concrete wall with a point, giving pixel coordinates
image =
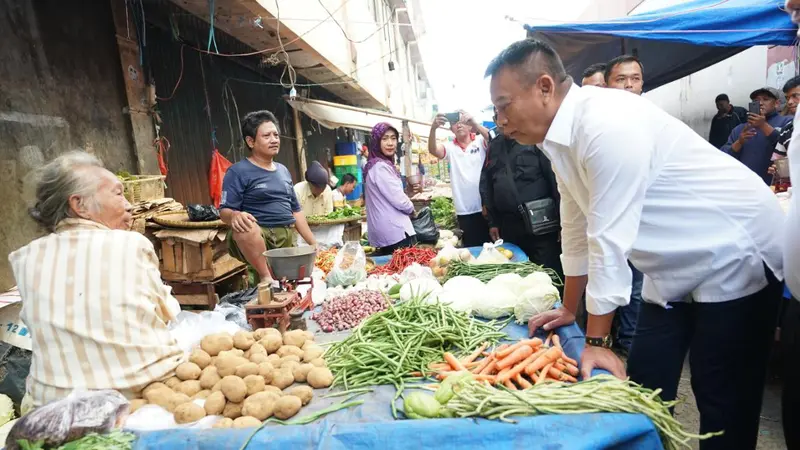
(61, 88)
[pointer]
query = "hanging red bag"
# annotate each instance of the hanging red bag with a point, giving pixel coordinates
(219, 165)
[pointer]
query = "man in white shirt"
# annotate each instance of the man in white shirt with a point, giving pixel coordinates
(466, 155)
(790, 328)
(638, 184)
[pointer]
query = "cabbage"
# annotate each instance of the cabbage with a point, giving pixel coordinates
(538, 299)
(510, 281)
(462, 293)
(499, 302)
(6, 409)
(419, 405)
(535, 279)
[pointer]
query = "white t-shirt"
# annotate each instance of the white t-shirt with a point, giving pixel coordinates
(791, 250)
(465, 174)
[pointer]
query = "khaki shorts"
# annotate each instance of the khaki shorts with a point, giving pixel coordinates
(277, 237)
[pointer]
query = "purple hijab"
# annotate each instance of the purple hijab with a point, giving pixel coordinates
(375, 154)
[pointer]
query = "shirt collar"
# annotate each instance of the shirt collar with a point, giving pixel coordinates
(560, 131)
(79, 224)
(472, 137)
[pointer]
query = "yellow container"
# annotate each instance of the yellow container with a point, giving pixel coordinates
(345, 160)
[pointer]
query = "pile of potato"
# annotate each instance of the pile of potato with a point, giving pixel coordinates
(247, 378)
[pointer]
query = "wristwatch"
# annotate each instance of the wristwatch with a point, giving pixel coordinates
(604, 341)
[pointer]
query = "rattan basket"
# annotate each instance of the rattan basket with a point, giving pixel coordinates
(139, 188)
(314, 222)
(180, 219)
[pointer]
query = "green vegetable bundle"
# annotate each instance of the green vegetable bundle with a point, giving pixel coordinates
(486, 272)
(115, 440)
(599, 394)
(390, 345)
(444, 213)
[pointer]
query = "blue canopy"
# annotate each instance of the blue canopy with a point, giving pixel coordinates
(672, 42)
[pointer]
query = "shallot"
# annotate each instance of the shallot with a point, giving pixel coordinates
(347, 311)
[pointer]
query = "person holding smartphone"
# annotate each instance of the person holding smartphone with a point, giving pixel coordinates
(466, 155)
(753, 142)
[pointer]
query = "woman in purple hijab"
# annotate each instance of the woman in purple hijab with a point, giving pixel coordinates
(388, 207)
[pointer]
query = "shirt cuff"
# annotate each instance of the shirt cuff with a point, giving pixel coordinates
(599, 307)
(575, 266)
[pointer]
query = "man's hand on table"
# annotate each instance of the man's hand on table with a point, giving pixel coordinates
(242, 222)
(601, 358)
(494, 234)
(550, 320)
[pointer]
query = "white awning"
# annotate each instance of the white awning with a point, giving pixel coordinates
(335, 115)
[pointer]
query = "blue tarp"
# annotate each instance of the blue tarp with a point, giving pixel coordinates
(371, 426)
(519, 255)
(672, 42)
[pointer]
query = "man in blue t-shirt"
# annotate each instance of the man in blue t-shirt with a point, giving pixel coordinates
(753, 142)
(258, 200)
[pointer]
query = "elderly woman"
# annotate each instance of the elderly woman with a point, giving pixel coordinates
(91, 291)
(388, 221)
(258, 201)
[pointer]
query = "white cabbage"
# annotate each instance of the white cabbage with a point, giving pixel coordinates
(535, 300)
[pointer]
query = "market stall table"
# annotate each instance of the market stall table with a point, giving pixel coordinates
(371, 426)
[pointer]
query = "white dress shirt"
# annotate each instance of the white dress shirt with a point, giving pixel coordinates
(791, 252)
(638, 184)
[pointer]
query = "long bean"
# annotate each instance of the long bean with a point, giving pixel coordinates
(486, 272)
(390, 345)
(602, 393)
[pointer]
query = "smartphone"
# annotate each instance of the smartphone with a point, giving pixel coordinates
(453, 117)
(754, 108)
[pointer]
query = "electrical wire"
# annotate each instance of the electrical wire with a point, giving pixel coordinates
(177, 83)
(330, 15)
(287, 69)
(272, 49)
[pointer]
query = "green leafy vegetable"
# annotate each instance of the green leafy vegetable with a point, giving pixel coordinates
(444, 213)
(419, 405)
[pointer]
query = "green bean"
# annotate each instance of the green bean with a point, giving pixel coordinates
(348, 392)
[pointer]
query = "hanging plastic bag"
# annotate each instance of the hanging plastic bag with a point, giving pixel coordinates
(219, 165)
(490, 254)
(425, 227)
(71, 418)
(350, 266)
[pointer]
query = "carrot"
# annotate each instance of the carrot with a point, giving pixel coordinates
(475, 354)
(454, 362)
(534, 377)
(510, 385)
(556, 340)
(545, 372)
(509, 372)
(439, 366)
(491, 368)
(416, 374)
(569, 360)
(551, 355)
(518, 355)
(535, 342)
(561, 376)
(522, 382)
(547, 341)
(566, 367)
(501, 347)
(484, 362)
(476, 377)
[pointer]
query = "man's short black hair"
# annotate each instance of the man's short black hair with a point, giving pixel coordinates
(593, 69)
(252, 120)
(622, 59)
(722, 97)
(535, 56)
(791, 84)
(348, 178)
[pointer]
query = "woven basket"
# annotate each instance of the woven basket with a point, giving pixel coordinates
(141, 188)
(180, 219)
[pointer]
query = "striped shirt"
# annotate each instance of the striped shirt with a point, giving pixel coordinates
(97, 310)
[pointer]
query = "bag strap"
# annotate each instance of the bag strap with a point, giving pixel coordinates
(510, 173)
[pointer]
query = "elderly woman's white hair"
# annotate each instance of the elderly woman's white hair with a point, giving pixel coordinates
(59, 180)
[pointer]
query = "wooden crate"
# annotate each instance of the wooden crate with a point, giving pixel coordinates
(188, 261)
(203, 294)
(352, 232)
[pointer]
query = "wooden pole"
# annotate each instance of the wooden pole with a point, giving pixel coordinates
(300, 140)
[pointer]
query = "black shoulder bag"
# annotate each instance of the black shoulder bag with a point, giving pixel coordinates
(539, 216)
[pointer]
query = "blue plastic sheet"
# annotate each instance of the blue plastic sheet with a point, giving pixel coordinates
(519, 255)
(371, 426)
(671, 42)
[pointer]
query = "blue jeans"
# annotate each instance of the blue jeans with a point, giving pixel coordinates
(630, 313)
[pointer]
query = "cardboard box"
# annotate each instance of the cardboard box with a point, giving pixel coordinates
(12, 330)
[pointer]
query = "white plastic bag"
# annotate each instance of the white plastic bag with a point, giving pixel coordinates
(415, 271)
(154, 417)
(189, 328)
(349, 267)
(490, 254)
(420, 288)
